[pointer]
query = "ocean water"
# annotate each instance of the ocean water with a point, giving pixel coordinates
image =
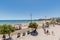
(16, 21)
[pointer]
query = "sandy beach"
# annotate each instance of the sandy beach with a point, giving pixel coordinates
(40, 36)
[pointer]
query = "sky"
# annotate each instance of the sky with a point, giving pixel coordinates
(21, 9)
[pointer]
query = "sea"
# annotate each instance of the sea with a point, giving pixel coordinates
(16, 21)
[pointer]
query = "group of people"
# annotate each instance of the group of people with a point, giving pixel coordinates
(46, 29)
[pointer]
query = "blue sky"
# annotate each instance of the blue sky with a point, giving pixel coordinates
(21, 9)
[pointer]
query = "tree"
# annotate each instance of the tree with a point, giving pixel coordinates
(6, 29)
(33, 25)
(10, 30)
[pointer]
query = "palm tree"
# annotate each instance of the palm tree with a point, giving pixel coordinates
(33, 25)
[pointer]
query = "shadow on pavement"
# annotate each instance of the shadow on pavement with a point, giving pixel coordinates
(34, 33)
(9, 39)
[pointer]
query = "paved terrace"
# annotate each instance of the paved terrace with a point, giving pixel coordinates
(42, 36)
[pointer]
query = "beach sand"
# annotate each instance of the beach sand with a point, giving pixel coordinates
(42, 36)
(55, 35)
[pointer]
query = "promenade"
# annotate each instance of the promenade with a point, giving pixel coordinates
(42, 36)
(54, 34)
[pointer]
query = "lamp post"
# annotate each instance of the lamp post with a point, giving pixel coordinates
(31, 17)
(45, 19)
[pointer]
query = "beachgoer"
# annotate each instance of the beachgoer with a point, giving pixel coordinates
(52, 33)
(48, 33)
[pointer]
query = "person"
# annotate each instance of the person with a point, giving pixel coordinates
(52, 33)
(44, 28)
(47, 32)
